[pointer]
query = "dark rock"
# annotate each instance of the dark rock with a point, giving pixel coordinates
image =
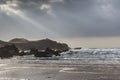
(8, 51)
(33, 51)
(78, 48)
(47, 53)
(40, 48)
(24, 44)
(22, 53)
(3, 43)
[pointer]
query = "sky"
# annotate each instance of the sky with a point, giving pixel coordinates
(80, 23)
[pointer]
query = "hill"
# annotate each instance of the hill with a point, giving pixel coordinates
(3, 43)
(24, 44)
(18, 40)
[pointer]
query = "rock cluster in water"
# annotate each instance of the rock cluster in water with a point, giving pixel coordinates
(9, 51)
(47, 53)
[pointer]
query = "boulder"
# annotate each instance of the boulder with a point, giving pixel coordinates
(47, 53)
(8, 51)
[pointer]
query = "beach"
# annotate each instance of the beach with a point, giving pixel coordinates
(57, 70)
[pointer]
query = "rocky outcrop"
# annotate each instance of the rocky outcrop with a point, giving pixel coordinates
(11, 50)
(40, 48)
(8, 51)
(3, 43)
(47, 53)
(24, 44)
(41, 45)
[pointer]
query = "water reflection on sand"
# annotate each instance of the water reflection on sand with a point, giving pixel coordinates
(6, 78)
(18, 69)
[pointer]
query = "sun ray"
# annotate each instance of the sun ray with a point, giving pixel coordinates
(11, 11)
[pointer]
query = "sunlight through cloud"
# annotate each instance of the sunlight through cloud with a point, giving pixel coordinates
(9, 10)
(48, 9)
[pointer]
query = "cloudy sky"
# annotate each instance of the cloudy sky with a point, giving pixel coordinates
(87, 23)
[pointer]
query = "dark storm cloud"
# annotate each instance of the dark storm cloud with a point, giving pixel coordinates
(66, 18)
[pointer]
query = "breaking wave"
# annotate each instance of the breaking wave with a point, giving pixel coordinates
(73, 56)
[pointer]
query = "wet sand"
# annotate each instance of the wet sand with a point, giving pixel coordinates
(60, 72)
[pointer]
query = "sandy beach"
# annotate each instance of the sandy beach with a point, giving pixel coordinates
(59, 71)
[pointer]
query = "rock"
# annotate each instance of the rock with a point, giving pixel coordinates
(36, 48)
(8, 51)
(33, 51)
(24, 44)
(22, 53)
(47, 53)
(78, 48)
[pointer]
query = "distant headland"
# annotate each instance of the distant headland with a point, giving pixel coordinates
(38, 48)
(24, 44)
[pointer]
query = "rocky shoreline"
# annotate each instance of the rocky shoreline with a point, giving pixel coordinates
(38, 48)
(9, 51)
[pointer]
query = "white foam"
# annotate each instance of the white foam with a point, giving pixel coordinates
(66, 69)
(6, 78)
(2, 65)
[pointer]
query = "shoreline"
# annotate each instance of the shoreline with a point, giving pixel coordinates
(60, 71)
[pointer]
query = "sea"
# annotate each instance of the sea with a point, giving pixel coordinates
(75, 64)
